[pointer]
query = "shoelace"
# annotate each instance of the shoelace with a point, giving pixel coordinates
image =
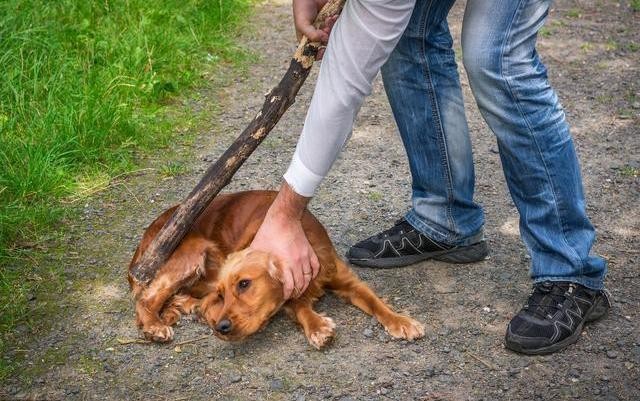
(384, 233)
(546, 297)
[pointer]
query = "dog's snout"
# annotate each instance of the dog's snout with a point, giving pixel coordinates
(224, 326)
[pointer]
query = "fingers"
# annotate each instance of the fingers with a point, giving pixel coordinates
(315, 264)
(323, 37)
(287, 282)
(307, 275)
(298, 280)
(304, 13)
(313, 34)
(328, 24)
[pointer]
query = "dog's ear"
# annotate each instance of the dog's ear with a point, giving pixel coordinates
(275, 268)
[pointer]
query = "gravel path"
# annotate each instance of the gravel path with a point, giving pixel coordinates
(592, 52)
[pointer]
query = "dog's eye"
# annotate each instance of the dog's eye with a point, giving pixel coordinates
(244, 284)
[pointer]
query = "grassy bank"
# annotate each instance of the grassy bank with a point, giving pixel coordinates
(85, 87)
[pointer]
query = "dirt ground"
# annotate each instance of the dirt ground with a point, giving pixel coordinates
(592, 50)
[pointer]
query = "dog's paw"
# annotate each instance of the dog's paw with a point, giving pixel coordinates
(158, 333)
(405, 328)
(322, 335)
(170, 317)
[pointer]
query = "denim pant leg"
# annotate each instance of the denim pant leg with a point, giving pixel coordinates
(423, 87)
(513, 93)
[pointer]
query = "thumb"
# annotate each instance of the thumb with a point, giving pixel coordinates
(314, 35)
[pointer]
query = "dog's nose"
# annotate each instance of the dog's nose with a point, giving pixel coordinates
(223, 326)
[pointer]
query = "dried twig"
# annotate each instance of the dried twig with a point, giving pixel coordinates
(193, 340)
(482, 361)
(127, 341)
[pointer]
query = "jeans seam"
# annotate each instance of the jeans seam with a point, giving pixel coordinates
(436, 115)
(593, 284)
(517, 102)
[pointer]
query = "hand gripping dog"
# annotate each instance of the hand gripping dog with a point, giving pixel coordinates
(220, 173)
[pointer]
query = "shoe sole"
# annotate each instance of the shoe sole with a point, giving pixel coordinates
(467, 254)
(597, 311)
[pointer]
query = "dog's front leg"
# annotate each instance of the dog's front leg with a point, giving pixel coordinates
(185, 266)
(349, 287)
(318, 329)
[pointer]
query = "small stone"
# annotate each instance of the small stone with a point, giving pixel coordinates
(574, 373)
(385, 381)
(446, 350)
(301, 397)
(486, 309)
(612, 354)
(231, 354)
(276, 385)
(178, 349)
(367, 333)
(235, 378)
(384, 391)
(514, 371)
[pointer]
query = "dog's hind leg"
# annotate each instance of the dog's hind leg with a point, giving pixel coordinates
(184, 267)
(318, 329)
(349, 287)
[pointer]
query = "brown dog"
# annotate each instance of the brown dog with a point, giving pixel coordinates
(238, 294)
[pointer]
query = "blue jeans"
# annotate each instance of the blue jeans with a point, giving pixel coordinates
(510, 85)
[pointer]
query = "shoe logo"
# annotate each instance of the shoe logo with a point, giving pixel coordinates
(384, 247)
(403, 246)
(568, 326)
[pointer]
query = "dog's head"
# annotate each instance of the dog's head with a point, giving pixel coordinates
(249, 294)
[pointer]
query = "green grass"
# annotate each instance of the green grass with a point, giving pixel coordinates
(172, 169)
(85, 87)
(574, 13)
(630, 172)
(635, 5)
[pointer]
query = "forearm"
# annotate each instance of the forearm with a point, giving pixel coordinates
(288, 204)
(361, 41)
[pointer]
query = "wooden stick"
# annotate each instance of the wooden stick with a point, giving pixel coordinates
(220, 173)
(482, 361)
(193, 340)
(125, 341)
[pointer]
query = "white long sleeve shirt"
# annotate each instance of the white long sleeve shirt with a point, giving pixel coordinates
(361, 41)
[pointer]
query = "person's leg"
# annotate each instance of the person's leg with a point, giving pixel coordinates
(422, 84)
(515, 98)
(513, 93)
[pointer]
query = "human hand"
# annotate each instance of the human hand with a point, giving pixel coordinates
(304, 15)
(281, 235)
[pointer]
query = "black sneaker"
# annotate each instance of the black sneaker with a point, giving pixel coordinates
(403, 245)
(553, 317)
